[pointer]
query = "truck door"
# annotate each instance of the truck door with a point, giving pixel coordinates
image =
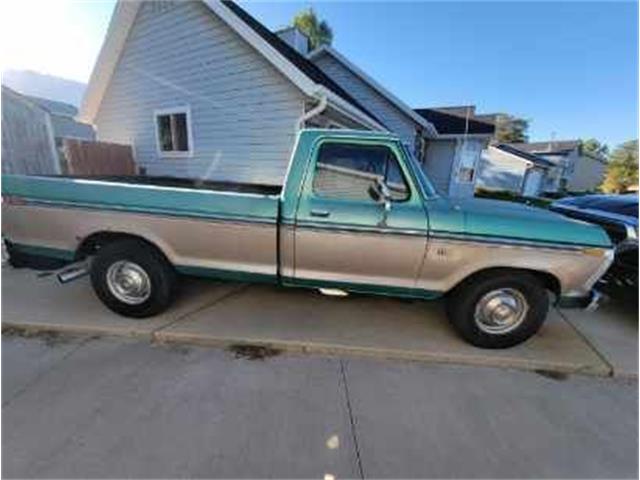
(346, 235)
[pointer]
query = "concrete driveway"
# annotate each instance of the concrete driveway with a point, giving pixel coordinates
(210, 313)
(87, 407)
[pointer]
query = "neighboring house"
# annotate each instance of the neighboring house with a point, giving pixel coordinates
(28, 145)
(573, 170)
(63, 120)
(412, 128)
(447, 141)
(504, 167)
(200, 89)
(452, 158)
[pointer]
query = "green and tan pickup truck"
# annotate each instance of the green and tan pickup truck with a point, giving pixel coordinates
(356, 213)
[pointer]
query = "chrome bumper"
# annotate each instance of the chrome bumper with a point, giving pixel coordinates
(588, 303)
(596, 299)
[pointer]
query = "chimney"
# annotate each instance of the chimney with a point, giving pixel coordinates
(295, 39)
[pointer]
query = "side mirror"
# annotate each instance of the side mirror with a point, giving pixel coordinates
(380, 193)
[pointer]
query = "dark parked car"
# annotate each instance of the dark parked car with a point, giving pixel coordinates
(618, 215)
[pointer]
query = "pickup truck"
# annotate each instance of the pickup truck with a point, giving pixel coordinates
(356, 213)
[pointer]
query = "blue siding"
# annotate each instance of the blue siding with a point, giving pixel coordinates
(391, 116)
(243, 111)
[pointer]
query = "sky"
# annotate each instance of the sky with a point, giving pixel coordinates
(571, 68)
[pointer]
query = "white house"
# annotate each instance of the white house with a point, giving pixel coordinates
(574, 170)
(504, 167)
(200, 89)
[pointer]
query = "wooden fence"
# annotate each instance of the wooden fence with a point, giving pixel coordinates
(82, 157)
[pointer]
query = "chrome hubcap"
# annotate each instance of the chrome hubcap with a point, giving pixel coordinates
(501, 311)
(128, 282)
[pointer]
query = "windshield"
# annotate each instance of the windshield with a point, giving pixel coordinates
(418, 173)
(618, 204)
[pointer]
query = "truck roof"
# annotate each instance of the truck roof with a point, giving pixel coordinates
(344, 132)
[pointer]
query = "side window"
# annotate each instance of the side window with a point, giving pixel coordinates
(348, 171)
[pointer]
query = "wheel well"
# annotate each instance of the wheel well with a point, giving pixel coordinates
(548, 280)
(94, 242)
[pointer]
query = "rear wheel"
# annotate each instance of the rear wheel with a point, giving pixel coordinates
(499, 309)
(133, 279)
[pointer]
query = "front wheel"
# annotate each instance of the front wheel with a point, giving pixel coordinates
(499, 309)
(133, 279)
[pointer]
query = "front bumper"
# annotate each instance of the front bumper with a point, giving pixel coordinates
(589, 302)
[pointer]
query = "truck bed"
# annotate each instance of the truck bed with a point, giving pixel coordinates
(196, 184)
(209, 228)
(173, 197)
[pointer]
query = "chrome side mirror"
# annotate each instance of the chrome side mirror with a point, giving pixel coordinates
(380, 193)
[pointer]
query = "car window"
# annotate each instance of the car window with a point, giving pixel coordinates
(348, 171)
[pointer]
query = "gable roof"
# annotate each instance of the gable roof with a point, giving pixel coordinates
(451, 124)
(552, 147)
(25, 99)
(460, 110)
(295, 57)
(529, 157)
(373, 84)
(306, 76)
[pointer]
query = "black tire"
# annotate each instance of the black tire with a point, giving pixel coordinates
(462, 302)
(15, 258)
(161, 275)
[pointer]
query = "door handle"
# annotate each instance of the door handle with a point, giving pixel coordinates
(320, 213)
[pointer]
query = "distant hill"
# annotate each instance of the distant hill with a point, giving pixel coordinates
(44, 86)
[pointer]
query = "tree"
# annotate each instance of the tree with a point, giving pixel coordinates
(318, 32)
(594, 147)
(510, 129)
(622, 170)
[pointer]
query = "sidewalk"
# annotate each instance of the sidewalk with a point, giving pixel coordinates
(210, 313)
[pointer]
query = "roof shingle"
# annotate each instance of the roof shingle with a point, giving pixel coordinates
(558, 147)
(452, 124)
(509, 148)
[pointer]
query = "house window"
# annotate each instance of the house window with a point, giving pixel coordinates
(467, 163)
(173, 128)
(465, 175)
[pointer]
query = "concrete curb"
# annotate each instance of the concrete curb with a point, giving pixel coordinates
(296, 347)
(379, 353)
(35, 328)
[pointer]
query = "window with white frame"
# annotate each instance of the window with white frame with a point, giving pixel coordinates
(173, 127)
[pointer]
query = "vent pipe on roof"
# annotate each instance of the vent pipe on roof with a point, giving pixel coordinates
(295, 39)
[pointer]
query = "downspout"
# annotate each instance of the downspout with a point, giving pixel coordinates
(318, 109)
